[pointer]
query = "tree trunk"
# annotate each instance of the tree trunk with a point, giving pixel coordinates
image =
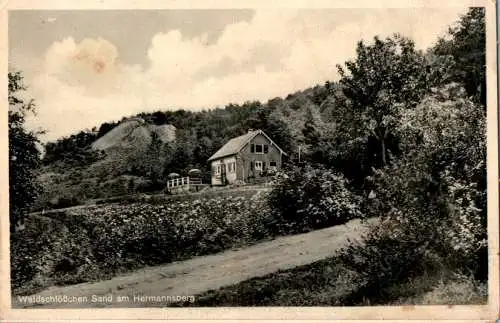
(383, 152)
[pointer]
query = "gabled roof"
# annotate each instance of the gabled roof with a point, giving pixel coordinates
(233, 146)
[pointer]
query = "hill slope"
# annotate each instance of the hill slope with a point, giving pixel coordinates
(134, 133)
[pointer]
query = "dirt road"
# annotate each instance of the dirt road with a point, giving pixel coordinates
(196, 275)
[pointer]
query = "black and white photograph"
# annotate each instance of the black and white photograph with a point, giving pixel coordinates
(251, 157)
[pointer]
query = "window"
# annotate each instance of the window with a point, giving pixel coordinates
(259, 149)
(272, 164)
(231, 167)
(217, 170)
(258, 165)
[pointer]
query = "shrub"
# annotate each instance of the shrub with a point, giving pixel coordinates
(460, 290)
(444, 139)
(46, 251)
(98, 242)
(64, 202)
(388, 257)
(308, 198)
(432, 199)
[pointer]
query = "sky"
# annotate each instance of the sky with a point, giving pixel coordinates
(84, 68)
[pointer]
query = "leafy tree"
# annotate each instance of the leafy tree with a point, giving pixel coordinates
(159, 118)
(259, 115)
(314, 142)
(74, 150)
(445, 140)
(466, 43)
(262, 118)
(105, 128)
(153, 160)
(433, 198)
(24, 156)
(202, 152)
(311, 134)
(183, 153)
(279, 131)
(385, 76)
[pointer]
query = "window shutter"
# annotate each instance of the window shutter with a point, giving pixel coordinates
(252, 148)
(251, 164)
(263, 165)
(266, 149)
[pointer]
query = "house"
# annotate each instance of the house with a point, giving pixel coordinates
(251, 155)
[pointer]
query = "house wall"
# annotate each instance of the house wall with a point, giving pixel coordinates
(231, 176)
(246, 157)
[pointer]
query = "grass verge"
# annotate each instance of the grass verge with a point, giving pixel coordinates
(329, 283)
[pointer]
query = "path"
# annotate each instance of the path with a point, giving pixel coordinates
(200, 274)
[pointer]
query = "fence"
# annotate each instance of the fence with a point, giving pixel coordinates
(185, 184)
(181, 181)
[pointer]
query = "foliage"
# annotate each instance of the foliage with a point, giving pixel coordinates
(64, 202)
(47, 250)
(308, 198)
(466, 44)
(387, 258)
(446, 139)
(24, 156)
(386, 77)
(96, 242)
(459, 290)
(383, 76)
(72, 151)
(432, 199)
